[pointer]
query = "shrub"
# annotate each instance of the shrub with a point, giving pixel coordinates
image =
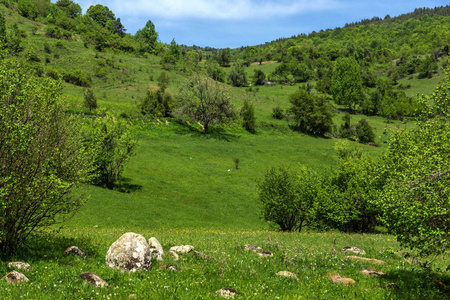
(42, 157)
(277, 113)
(287, 197)
(248, 116)
(90, 101)
(364, 132)
(77, 78)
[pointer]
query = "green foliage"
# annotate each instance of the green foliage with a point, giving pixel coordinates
(42, 159)
(174, 49)
(114, 144)
(311, 114)
(248, 116)
(100, 14)
(214, 71)
(364, 132)
(28, 8)
(15, 40)
(287, 197)
(157, 103)
(90, 101)
(205, 100)
(346, 84)
(237, 76)
(71, 8)
(345, 201)
(148, 37)
(278, 113)
(415, 201)
(3, 39)
(77, 78)
(258, 77)
(427, 68)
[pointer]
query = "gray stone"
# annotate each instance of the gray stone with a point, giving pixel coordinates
(286, 274)
(19, 265)
(15, 277)
(265, 254)
(372, 273)
(183, 249)
(369, 260)
(93, 279)
(254, 248)
(130, 253)
(75, 251)
(156, 249)
(354, 250)
(227, 293)
(336, 278)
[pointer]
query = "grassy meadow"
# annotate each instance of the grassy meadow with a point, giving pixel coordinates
(184, 187)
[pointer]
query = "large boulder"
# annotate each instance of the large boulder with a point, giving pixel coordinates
(130, 253)
(155, 248)
(15, 277)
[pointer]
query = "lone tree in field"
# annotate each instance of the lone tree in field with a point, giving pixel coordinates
(90, 101)
(42, 158)
(346, 83)
(204, 100)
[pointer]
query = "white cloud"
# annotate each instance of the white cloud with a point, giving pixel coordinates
(216, 9)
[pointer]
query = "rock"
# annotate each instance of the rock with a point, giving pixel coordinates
(75, 251)
(169, 267)
(15, 277)
(341, 279)
(227, 293)
(254, 248)
(183, 249)
(370, 260)
(265, 254)
(130, 253)
(93, 279)
(354, 250)
(19, 265)
(286, 274)
(174, 254)
(156, 249)
(372, 273)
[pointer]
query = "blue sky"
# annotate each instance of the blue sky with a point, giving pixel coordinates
(236, 23)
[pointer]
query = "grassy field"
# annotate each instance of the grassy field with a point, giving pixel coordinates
(183, 187)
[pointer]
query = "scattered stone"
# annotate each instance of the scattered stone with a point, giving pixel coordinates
(265, 254)
(132, 296)
(201, 254)
(15, 277)
(19, 265)
(286, 274)
(130, 253)
(254, 248)
(183, 249)
(227, 293)
(370, 260)
(156, 249)
(174, 254)
(75, 251)
(354, 250)
(392, 285)
(93, 279)
(372, 273)
(169, 267)
(341, 279)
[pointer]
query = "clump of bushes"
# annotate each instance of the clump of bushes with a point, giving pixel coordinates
(77, 78)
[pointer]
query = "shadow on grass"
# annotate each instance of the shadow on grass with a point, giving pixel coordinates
(419, 283)
(124, 185)
(214, 132)
(50, 246)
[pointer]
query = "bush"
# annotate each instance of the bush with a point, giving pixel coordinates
(90, 101)
(287, 197)
(312, 114)
(248, 116)
(364, 132)
(42, 157)
(77, 78)
(277, 113)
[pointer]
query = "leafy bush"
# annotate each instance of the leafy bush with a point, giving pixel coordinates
(259, 77)
(277, 113)
(287, 197)
(364, 132)
(248, 116)
(312, 114)
(28, 9)
(42, 157)
(90, 101)
(77, 78)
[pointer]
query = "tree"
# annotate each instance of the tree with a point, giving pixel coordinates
(2, 31)
(147, 36)
(312, 114)
(287, 197)
(174, 49)
(100, 14)
(259, 77)
(90, 101)
(113, 142)
(28, 8)
(364, 132)
(158, 103)
(42, 157)
(415, 200)
(248, 116)
(71, 8)
(205, 100)
(119, 28)
(346, 83)
(238, 76)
